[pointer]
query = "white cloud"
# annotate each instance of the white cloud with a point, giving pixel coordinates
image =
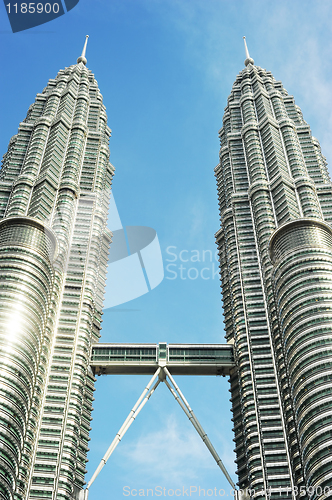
(173, 455)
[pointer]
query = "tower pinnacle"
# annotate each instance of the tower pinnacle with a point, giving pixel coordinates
(249, 60)
(82, 57)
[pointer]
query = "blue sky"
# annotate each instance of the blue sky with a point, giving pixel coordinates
(165, 69)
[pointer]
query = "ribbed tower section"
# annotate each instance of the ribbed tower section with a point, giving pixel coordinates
(54, 190)
(275, 245)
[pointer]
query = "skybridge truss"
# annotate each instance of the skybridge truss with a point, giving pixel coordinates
(162, 361)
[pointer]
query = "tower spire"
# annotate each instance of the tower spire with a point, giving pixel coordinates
(249, 60)
(82, 57)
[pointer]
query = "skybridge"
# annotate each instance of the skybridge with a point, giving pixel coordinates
(162, 361)
(144, 359)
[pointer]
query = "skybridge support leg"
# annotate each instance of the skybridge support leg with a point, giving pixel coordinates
(193, 419)
(142, 400)
(162, 373)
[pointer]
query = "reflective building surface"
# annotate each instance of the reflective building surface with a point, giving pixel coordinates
(275, 245)
(54, 190)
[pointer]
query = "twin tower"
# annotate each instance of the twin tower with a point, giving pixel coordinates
(275, 247)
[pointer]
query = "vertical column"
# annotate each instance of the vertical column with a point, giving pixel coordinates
(20, 196)
(307, 193)
(27, 250)
(301, 252)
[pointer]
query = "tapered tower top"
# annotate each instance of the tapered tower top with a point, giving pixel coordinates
(82, 57)
(249, 60)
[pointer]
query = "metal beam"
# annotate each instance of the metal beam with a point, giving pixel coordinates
(125, 426)
(193, 419)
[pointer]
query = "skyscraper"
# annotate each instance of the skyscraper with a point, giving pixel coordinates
(275, 245)
(55, 184)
